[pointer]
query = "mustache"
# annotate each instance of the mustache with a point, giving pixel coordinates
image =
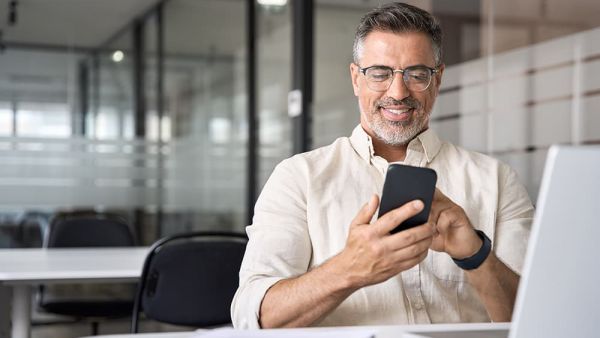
(407, 101)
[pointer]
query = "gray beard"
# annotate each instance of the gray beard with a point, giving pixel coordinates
(396, 133)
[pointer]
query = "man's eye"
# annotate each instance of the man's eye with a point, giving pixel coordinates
(418, 76)
(379, 75)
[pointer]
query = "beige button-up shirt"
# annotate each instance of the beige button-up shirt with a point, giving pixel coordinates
(304, 211)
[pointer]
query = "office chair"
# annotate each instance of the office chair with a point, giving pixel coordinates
(32, 226)
(87, 229)
(190, 279)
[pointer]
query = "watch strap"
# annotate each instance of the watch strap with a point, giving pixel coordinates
(473, 262)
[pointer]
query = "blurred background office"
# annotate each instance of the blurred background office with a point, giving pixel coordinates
(173, 113)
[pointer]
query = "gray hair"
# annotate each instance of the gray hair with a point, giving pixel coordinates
(399, 17)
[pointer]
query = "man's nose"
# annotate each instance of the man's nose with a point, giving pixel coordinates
(398, 89)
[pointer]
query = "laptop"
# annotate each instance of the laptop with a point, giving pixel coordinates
(559, 291)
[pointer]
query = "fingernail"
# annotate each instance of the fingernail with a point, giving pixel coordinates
(417, 204)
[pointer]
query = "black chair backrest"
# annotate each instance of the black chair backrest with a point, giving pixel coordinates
(190, 279)
(88, 230)
(81, 229)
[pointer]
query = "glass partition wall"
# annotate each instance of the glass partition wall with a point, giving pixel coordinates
(274, 68)
(204, 99)
(151, 120)
(149, 123)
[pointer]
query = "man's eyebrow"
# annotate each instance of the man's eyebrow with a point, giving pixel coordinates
(382, 66)
(418, 65)
(421, 65)
(411, 66)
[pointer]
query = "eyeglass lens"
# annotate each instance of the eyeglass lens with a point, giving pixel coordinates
(415, 78)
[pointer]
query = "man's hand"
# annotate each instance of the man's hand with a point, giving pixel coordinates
(495, 283)
(453, 232)
(372, 255)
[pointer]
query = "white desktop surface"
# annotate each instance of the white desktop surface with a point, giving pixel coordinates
(21, 269)
(31, 266)
(148, 335)
(462, 330)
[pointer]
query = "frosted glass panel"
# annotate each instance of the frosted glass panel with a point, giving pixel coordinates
(38, 173)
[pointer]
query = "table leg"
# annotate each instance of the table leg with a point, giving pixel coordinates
(21, 311)
(5, 301)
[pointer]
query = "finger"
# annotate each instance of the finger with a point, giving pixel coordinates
(440, 203)
(392, 219)
(439, 195)
(408, 237)
(366, 213)
(407, 264)
(437, 207)
(437, 243)
(445, 220)
(433, 228)
(413, 250)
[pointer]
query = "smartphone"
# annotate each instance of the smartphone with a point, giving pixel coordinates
(403, 184)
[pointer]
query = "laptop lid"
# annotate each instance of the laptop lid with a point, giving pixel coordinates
(559, 292)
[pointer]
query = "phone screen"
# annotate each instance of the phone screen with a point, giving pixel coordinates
(403, 184)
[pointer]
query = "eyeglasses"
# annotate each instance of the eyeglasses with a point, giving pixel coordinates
(416, 78)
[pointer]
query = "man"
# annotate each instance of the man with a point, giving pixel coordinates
(318, 255)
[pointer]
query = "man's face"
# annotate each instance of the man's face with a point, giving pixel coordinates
(396, 115)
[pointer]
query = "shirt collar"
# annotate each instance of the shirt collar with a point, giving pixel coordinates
(427, 142)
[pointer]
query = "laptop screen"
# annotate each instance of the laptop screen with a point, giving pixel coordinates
(559, 292)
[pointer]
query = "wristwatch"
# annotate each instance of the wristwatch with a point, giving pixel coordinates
(479, 257)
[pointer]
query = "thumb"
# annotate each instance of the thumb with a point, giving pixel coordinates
(366, 213)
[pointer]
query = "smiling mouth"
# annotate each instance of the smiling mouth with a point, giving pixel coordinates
(392, 114)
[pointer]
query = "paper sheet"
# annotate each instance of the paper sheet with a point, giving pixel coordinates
(288, 333)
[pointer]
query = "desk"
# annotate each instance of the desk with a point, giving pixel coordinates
(463, 330)
(22, 269)
(148, 335)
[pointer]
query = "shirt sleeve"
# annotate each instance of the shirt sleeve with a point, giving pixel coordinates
(279, 245)
(513, 221)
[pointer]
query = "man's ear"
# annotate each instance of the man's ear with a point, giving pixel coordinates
(438, 78)
(354, 73)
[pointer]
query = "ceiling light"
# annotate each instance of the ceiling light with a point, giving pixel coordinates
(118, 56)
(276, 3)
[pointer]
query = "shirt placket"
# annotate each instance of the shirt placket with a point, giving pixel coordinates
(380, 164)
(411, 282)
(411, 279)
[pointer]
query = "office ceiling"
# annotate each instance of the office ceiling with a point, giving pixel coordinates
(81, 23)
(90, 23)
(219, 25)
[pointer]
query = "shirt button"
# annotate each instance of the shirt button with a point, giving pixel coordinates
(418, 305)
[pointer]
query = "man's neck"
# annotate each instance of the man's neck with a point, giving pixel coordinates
(389, 152)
